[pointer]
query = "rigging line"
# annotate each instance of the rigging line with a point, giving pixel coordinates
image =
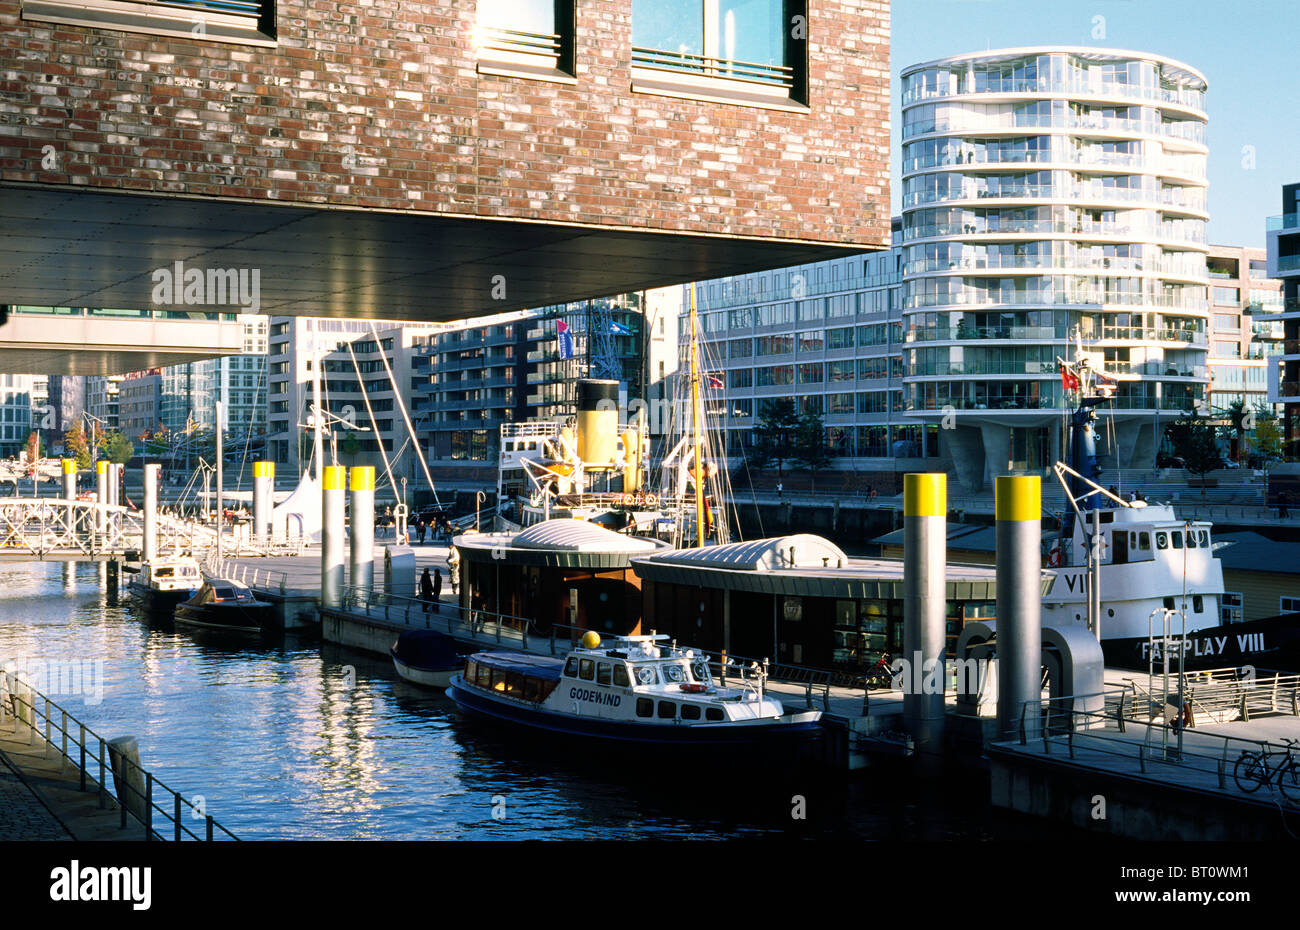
(401, 405)
(365, 396)
(248, 431)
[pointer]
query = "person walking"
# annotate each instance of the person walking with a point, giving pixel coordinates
(1283, 505)
(780, 490)
(426, 589)
(453, 566)
(420, 529)
(437, 589)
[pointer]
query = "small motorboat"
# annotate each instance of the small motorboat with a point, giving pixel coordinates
(225, 605)
(164, 582)
(637, 690)
(426, 657)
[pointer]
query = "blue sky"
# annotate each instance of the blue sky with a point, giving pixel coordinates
(1246, 50)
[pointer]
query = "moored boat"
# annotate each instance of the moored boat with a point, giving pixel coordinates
(164, 582)
(636, 690)
(227, 606)
(426, 657)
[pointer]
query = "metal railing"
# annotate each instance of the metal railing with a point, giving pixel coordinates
(659, 60)
(1060, 727)
(256, 577)
(26, 705)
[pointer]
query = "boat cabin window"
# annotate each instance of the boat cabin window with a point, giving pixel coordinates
(714, 713)
(1177, 538)
(690, 711)
(571, 667)
(674, 672)
(700, 672)
(602, 673)
(223, 593)
(620, 676)
(471, 670)
(1107, 516)
(667, 710)
(164, 572)
(1142, 541)
(483, 678)
(498, 679)
(1198, 603)
(1205, 539)
(646, 674)
(586, 669)
(645, 707)
(1168, 603)
(1162, 540)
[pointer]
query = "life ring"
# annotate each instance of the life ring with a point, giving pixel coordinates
(695, 689)
(651, 500)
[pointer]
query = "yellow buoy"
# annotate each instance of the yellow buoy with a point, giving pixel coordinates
(590, 639)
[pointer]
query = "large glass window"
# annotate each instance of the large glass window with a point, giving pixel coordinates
(526, 33)
(743, 39)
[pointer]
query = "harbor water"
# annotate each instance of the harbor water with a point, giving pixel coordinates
(298, 739)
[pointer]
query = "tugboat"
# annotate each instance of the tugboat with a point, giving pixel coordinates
(1151, 561)
(164, 582)
(225, 605)
(426, 657)
(636, 690)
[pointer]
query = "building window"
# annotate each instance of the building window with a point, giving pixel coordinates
(739, 51)
(1232, 608)
(1289, 605)
(526, 38)
(244, 22)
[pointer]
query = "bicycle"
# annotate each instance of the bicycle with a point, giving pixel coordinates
(880, 675)
(1253, 770)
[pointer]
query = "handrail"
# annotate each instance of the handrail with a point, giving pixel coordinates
(21, 708)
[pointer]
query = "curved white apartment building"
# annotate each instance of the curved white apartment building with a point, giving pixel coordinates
(1049, 192)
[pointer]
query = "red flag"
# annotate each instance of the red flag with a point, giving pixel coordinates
(715, 383)
(1069, 380)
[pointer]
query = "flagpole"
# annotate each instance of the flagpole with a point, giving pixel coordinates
(695, 426)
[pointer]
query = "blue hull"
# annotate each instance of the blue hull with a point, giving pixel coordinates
(630, 733)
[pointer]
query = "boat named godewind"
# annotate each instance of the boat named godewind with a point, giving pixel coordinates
(636, 689)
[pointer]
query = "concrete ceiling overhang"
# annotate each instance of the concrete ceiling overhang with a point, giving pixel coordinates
(62, 246)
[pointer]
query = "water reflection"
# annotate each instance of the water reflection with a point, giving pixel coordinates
(295, 739)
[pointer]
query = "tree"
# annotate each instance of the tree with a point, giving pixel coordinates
(774, 438)
(1242, 419)
(75, 445)
(116, 447)
(1268, 435)
(810, 444)
(1195, 442)
(33, 447)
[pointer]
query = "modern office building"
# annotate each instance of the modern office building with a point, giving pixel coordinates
(1051, 194)
(1244, 335)
(514, 367)
(103, 402)
(1284, 263)
(16, 393)
(368, 370)
(830, 336)
(138, 403)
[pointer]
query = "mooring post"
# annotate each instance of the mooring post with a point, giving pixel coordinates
(361, 484)
(925, 554)
(332, 532)
(263, 495)
(1018, 506)
(149, 546)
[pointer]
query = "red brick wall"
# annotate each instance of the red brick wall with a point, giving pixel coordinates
(379, 105)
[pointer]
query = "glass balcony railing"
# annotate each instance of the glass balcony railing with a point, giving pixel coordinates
(1013, 298)
(1186, 131)
(1283, 221)
(982, 227)
(1082, 263)
(1288, 263)
(1167, 197)
(918, 91)
(1191, 167)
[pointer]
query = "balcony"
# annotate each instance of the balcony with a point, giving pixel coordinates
(972, 298)
(1283, 221)
(1189, 99)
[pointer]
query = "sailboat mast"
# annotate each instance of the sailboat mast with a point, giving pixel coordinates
(696, 419)
(318, 447)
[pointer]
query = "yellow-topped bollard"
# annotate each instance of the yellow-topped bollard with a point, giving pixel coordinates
(69, 479)
(69, 466)
(361, 484)
(1018, 504)
(263, 497)
(332, 534)
(925, 554)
